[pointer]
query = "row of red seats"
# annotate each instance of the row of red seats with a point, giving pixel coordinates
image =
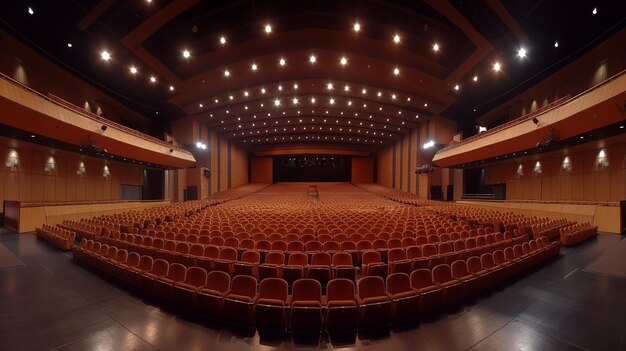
(82, 230)
(578, 233)
(61, 238)
(377, 303)
(292, 265)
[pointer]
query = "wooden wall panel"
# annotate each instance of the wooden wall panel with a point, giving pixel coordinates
(223, 159)
(262, 170)
(362, 170)
(384, 166)
(586, 178)
(239, 166)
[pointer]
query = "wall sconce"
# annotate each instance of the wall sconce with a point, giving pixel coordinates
(566, 166)
(50, 166)
(12, 160)
(106, 173)
(81, 169)
(603, 161)
(520, 171)
(538, 169)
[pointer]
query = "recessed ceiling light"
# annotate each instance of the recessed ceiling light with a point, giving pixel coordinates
(396, 71)
(262, 90)
(277, 102)
(254, 67)
(436, 47)
(153, 79)
(227, 73)
(425, 104)
(556, 44)
(245, 93)
(343, 61)
(379, 94)
(457, 87)
(521, 53)
(31, 11)
(312, 101)
(133, 70)
(496, 66)
(295, 101)
(171, 88)
(280, 88)
(396, 39)
(312, 59)
(475, 78)
(231, 97)
(332, 101)
(282, 61)
(356, 27)
(268, 28)
(329, 86)
(186, 54)
(595, 11)
(222, 40)
(295, 86)
(346, 88)
(201, 106)
(69, 45)
(364, 91)
(393, 96)
(105, 55)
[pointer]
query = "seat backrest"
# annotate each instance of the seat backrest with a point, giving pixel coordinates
(370, 257)
(321, 259)
(379, 244)
(279, 245)
(122, 256)
(498, 257)
(275, 257)
(243, 285)
(295, 246)
(160, 267)
(313, 246)
(182, 248)
(398, 283)
(396, 254)
(444, 248)
(413, 252)
(133, 259)
(342, 259)
(331, 246)
(196, 250)
(177, 272)
(394, 242)
(263, 245)
(298, 259)
(273, 288)
(307, 290)
(228, 253)
(486, 260)
(442, 274)
(371, 286)
(340, 289)
(251, 256)
(196, 276)
(421, 278)
(429, 250)
(218, 281)
(459, 269)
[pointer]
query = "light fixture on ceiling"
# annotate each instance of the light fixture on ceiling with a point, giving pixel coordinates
(521, 53)
(69, 45)
(329, 86)
(396, 39)
(186, 54)
(475, 78)
(595, 11)
(254, 67)
(268, 28)
(31, 11)
(556, 44)
(171, 88)
(227, 73)
(105, 55)
(356, 27)
(153, 79)
(277, 102)
(496, 67)
(396, 71)
(331, 101)
(364, 91)
(457, 87)
(295, 101)
(282, 62)
(428, 144)
(435, 47)
(222, 40)
(295, 86)
(343, 61)
(346, 88)
(133, 70)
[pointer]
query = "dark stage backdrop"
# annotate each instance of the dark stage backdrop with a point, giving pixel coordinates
(312, 168)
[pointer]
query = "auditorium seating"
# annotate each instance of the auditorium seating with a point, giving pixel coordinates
(575, 234)
(237, 261)
(57, 236)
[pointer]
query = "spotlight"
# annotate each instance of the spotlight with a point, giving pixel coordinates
(535, 120)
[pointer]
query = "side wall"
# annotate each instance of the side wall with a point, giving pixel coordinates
(362, 170)
(262, 170)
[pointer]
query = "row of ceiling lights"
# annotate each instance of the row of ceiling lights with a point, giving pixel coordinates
(318, 138)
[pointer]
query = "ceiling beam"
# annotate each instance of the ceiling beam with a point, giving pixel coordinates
(94, 14)
(510, 22)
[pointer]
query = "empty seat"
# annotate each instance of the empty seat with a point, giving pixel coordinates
(226, 260)
(209, 299)
(342, 266)
(471, 283)
(453, 288)
(405, 300)
(398, 261)
(431, 294)
(295, 267)
(195, 279)
(164, 286)
(320, 267)
(374, 302)
(306, 306)
(342, 307)
(248, 265)
(270, 311)
(272, 266)
(372, 265)
(239, 301)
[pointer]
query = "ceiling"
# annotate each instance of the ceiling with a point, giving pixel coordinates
(384, 88)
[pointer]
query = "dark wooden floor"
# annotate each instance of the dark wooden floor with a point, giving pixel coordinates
(54, 304)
